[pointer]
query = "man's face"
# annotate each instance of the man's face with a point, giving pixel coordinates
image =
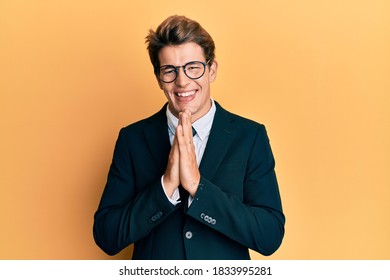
(185, 93)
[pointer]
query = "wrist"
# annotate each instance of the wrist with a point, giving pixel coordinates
(168, 185)
(192, 188)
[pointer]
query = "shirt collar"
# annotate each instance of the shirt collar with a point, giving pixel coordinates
(202, 125)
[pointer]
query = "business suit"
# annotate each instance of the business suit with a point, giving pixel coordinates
(237, 205)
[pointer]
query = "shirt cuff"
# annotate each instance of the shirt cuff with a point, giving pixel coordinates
(175, 199)
(190, 199)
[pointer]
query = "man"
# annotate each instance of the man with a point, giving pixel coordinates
(192, 181)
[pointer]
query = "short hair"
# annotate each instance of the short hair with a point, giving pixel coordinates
(177, 30)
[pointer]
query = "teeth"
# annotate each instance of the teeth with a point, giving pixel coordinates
(185, 94)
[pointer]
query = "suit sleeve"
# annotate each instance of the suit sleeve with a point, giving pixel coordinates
(125, 213)
(256, 220)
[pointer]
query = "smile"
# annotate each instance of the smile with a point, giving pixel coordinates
(186, 94)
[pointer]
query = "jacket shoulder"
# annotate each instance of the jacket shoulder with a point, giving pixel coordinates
(157, 118)
(239, 121)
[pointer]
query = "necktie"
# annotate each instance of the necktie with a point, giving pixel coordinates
(193, 131)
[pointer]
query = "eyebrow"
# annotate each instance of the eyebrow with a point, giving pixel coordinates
(165, 65)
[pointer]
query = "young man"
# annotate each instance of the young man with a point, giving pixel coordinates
(192, 181)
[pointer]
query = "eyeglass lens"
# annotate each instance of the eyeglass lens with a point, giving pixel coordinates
(193, 70)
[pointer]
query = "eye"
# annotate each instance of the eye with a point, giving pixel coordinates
(168, 70)
(193, 67)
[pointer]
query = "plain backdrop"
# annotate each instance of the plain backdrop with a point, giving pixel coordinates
(316, 73)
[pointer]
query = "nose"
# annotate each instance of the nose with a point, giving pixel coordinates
(182, 80)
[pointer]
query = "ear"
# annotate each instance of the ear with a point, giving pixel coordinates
(213, 71)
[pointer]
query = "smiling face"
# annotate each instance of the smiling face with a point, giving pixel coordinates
(185, 93)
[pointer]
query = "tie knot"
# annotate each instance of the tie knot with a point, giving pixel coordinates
(193, 131)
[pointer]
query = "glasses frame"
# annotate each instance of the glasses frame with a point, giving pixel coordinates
(177, 68)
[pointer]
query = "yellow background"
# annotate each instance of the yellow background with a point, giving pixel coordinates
(316, 73)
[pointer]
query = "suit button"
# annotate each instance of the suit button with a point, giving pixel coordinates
(188, 234)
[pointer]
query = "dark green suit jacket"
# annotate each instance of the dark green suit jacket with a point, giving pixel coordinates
(237, 205)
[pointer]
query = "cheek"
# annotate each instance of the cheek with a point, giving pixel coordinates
(166, 90)
(205, 89)
(167, 96)
(170, 98)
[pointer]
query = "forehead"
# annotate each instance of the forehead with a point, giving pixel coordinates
(180, 54)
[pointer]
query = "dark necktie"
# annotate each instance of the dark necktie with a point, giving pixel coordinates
(193, 131)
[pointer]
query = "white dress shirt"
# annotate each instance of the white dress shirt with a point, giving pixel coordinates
(202, 127)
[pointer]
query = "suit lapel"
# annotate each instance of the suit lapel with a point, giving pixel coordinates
(221, 137)
(157, 138)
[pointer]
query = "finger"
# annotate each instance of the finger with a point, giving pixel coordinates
(175, 147)
(184, 143)
(172, 172)
(187, 114)
(180, 116)
(179, 135)
(187, 126)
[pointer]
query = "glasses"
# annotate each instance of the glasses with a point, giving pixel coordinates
(193, 70)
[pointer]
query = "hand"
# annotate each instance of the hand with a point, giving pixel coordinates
(171, 177)
(188, 168)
